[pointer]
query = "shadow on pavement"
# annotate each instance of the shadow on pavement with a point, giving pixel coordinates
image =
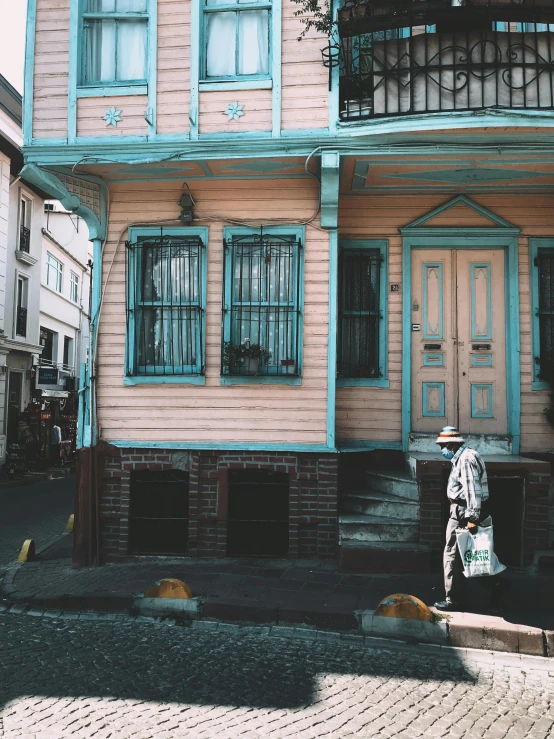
(184, 666)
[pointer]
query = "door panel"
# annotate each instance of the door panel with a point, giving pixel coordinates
(433, 352)
(458, 341)
(481, 342)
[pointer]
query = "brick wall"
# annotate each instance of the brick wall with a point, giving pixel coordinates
(313, 483)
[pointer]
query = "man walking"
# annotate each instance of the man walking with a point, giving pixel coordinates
(55, 445)
(468, 494)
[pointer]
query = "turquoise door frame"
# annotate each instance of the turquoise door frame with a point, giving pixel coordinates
(501, 235)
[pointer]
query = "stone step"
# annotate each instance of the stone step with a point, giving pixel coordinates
(376, 503)
(369, 528)
(394, 482)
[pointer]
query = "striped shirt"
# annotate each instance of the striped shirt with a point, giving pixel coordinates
(468, 484)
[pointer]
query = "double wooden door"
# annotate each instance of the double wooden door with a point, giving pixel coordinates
(458, 341)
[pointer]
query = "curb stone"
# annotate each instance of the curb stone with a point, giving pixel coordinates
(470, 657)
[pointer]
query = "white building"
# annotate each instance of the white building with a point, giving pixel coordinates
(21, 223)
(64, 298)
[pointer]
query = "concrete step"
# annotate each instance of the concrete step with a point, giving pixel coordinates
(367, 528)
(394, 482)
(376, 503)
(384, 557)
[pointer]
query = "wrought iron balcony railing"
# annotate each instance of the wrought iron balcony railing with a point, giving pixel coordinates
(24, 239)
(415, 70)
(21, 322)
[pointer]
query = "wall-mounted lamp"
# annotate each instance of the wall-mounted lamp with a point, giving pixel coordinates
(186, 203)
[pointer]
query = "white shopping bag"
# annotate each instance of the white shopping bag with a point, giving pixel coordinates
(477, 551)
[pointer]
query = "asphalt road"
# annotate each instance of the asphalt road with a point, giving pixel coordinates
(39, 511)
(123, 679)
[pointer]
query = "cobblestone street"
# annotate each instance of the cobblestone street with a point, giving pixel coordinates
(79, 678)
(39, 511)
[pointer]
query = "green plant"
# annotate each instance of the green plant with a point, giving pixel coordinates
(235, 354)
(317, 14)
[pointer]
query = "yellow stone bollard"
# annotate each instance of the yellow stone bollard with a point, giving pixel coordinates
(401, 605)
(169, 587)
(27, 553)
(69, 524)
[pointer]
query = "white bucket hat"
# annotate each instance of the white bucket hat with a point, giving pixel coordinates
(450, 434)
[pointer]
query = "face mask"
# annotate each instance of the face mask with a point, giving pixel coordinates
(447, 453)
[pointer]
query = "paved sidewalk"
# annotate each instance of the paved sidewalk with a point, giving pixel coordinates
(36, 511)
(305, 591)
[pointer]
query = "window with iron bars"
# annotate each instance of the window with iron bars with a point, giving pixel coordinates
(359, 326)
(262, 298)
(545, 263)
(165, 302)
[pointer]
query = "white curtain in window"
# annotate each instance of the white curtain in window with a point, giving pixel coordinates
(254, 42)
(221, 45)
(131, 51)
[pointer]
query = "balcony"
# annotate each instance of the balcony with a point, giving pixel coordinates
(402, 58)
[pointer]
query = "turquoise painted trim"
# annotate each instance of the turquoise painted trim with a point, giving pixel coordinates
(259, 380)
(474, 411)
(487, 360)
(73, 76)
(303, 132)
(192, 378)
(466, 238)
(460, 200)
(383, 246)
(48, 142)
(96, 301)
(330, 185)
(276, 58)
(223, 446)
(332, 341)
(475, 266)
(165, 380)
(426, 335)
(111, 91)
(249, 84)
(433, 360)
(425, 412)
(299, 234)
(534, 245)
(362, 382)
(50, 184)
(28, 81)
(109, 140)
(366, 446)
(81, 405)
(333, 94)
(233, 135)
(152, 66)
(194, 67)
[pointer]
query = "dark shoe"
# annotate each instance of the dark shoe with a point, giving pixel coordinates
(499, 591)
(448, 605)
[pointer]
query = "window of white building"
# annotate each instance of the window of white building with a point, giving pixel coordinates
(54, 273)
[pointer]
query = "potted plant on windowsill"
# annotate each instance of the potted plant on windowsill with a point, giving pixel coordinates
(254, 355)
(289, 366)
(246, 355)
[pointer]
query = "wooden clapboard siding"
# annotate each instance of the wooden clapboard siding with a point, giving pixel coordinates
(366, 413)
(305, 81)
(257, 111)
(216, 413)
(173, 91)
(51, 69)
(4, 211)
(91, 112)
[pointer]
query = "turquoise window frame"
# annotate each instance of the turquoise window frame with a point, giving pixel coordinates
(190, 378)
(382, 245)
(239, 79)
(76, 89)
(534, 245)
(298, 234)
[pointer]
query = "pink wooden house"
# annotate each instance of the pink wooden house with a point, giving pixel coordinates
(310, 256)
